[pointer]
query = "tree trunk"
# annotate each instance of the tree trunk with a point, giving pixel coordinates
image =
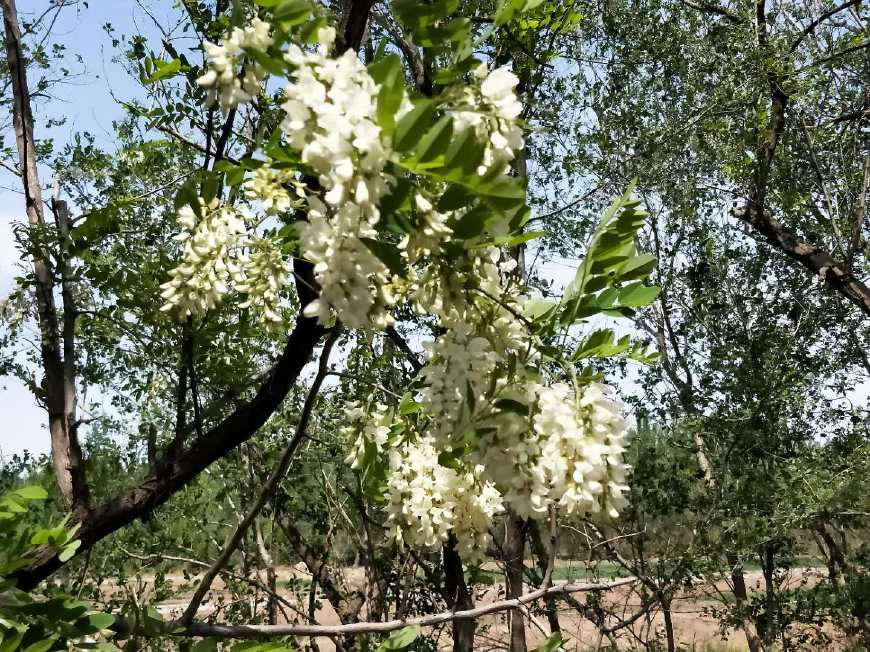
(740, 599)
(58, 370)
(542, 559)
(768, 621)
(669, 623)
(458, 597)
(514, 555)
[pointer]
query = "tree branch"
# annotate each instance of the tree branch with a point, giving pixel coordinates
(267, 631)
(271, 484)
(809, 29)
(811, 256)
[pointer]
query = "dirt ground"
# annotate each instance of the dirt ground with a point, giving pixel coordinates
(694, 625)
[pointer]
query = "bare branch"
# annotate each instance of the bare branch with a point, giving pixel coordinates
(809, 29)
(267, 631)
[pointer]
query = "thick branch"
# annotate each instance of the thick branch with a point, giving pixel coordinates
(811, 256)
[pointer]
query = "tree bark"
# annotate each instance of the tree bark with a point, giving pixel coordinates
(458, 597)
(738, 583)
(669, 623)
(543, 557)
(59, 372)
(514, 556)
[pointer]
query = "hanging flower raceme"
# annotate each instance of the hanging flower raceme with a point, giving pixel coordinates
(231, 79)
(582, 446)
(457, 379)
(264, 276)
(210, 263)
(428, 501)
(330, 117)
(269, 187)
(368, 430)
(491, 110)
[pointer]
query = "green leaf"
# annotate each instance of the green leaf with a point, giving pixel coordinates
(95, 622)
(472, 223)
(454, 198)
(41, 646)
(163, 69)
(11, 641)
(636, 267)
(187, 195)
(274, 65)
(400, 640)
(413, 125)
(69, 550)
(511, 405)
(463, 156)
(293, 12)
(205, 645)
(513, 240)
(638, 295)
(504, 194)
(32, 492)
(396, 198)
(552, 644)
(388, 254)
(436, 140)
(389, 75)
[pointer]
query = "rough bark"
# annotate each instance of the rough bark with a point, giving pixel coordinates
(514, 556)
(458, 597)
(544, 559)
(738, 588)
(669, 623)
(58, 372)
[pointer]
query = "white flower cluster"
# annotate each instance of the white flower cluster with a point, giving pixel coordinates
(330, 117)
(230, 79)
(493, 115)
(368, 429)
(220, 255)
(457, 378)
(268, 186)
(212, 247)
(427, 501)
(571, 457)
(265, 275)
(431, 231)
(582, 446)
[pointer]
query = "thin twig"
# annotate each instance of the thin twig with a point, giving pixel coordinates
(271, 484)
